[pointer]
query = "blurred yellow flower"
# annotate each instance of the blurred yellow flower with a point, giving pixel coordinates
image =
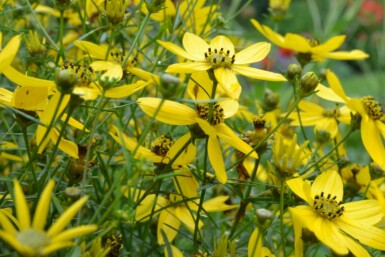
(255, 248)
(30, 239)
(309, 48)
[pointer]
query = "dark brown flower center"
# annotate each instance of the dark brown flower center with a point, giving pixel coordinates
(162, 145)
(217, 115)
(372, 107)
(219, 58)
(332, 112)
(328, 207)
(84, 73)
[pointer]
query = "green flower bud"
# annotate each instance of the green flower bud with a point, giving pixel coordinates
(154, 6)
(294, 70)
(115, 10)
(322, 136)
(264, 215)
(66, 80)
(308, 83)
(270, 100)
(73, 193)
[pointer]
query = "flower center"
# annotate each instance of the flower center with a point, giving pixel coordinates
(332, 112)
(162, 145)
(372, 107)
(217, 115)
(33, 238)
(328, 207)
(313, 42)
(219, 58)
(119, 58)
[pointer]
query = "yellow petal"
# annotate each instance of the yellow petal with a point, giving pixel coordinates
(5, 223)
(227, 135)
(23, 80)
(216, 159)
(168, 225)
(170, 112)
(94, 50)
(230, 107)
(69, 234)
(22, 210)
(55, 247)
(257, 73)
(355, 247)
(187, 218)
(254, 246)
(188, 67)
(177, 50)
(126, 90)
(297, 43)
(186, 184)
(175, 252)
(65, 145)
(330, 45)
(228, 81)
(9, 52)
(347, 55)
(66, 217)
(30, 98)
(300, 188)
(372, 140)
(254, 53)
(328, 182)
(195, 46)
(275, 38)
(218, 204)
(41, 212)
(335, 85)
(328, 94)
(14, 243)
(307, 106)
(206, 127)
(188, 154)
(365, 211)
(222, 42)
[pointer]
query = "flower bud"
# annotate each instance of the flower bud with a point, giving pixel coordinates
(115, 10)
(264, 215)
(322, 136)
(73, 193)
(62, 5)
(294, 70)
(308, 83)
(33, 44)
(154, 6)
(270, 100)
(66, 80)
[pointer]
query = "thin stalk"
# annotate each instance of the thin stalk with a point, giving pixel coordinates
(281, 209)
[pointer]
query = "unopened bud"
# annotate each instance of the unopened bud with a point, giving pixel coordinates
(322, 136)
(154, 6)
(294, 70)
(264, 215)
(66, 80)
(73, 193)
(270, 100)
(33, 44)
(115, 10)
(308, 83)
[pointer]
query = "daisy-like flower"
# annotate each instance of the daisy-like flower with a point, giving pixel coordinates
(30, 238)
(178, 114)
(371, 112)
(220, 56)
(336, 224)
(324, 120)
(310, 49)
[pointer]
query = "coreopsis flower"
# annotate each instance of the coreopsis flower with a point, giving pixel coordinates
(220, 56)
(371, 112)
(110, 61)
(324, 120)
(310, 49)
(30, 239)
(174, 113)
(342, 227)
(255, 248)
(163, 149)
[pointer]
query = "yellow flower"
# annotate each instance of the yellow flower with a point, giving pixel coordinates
(311, 48)
(30, 239)
(371, 112)
(163, 148)
(324, 120)
(220, 56)
(335, 224)
(178, 114)
(254, 247)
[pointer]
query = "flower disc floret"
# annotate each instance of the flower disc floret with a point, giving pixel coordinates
(219, 58)
(217, 115)
(162, 145)
(372, 108)
(328, 207)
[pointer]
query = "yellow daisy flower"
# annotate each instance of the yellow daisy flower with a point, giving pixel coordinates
(178, 114)
(310, 49)
(323, 120)
(371, 112)
(220, 56)
(334, 223)
(30, 239)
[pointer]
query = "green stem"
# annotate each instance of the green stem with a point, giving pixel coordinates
(281, 212)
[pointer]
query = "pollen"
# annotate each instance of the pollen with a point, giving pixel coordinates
(217, 115)
(219, 58)
(372, 107)
(327, 206)
(162, 145)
